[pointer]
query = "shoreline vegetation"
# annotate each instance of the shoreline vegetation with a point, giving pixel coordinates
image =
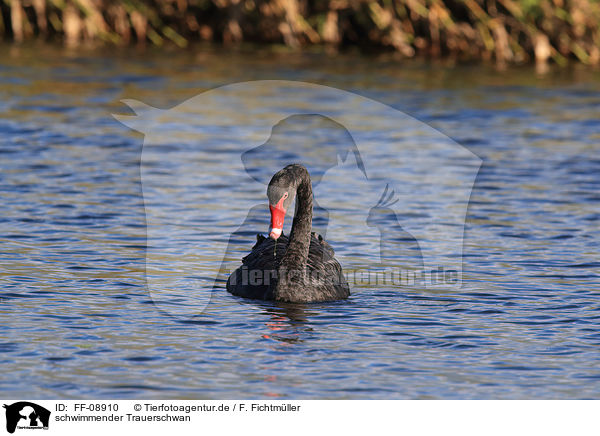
(502, 31)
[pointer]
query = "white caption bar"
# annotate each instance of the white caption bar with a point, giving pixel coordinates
(260, 417)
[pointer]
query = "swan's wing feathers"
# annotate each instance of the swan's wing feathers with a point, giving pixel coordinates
(321, 255)
(327, 284)
(318, 241)
(259, 240)
(263, 252)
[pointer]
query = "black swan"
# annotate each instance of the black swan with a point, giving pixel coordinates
(298, 269)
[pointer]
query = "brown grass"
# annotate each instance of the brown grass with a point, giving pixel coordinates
(508, 31)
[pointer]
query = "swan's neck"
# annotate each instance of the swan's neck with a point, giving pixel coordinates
(296, 255)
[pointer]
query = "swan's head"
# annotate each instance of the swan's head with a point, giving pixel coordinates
(281, 193)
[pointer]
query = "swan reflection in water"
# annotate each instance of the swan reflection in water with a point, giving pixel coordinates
(288, 322)
(286, 326)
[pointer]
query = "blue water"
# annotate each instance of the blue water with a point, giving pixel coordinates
(78, 319)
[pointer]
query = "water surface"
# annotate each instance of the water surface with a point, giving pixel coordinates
(78, 320)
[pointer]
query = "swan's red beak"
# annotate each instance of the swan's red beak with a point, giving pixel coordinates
(277, 216)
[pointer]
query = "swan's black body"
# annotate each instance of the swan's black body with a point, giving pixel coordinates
(299, 269)
(325, 280)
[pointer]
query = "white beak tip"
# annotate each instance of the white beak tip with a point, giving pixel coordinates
(275, 233)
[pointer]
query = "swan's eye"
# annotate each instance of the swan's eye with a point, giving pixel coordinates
(285, 196)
